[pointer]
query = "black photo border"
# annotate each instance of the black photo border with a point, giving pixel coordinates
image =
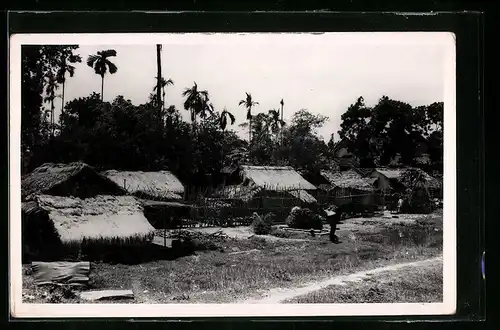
(468, 29)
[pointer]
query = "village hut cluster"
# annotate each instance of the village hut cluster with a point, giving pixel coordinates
(70, 208)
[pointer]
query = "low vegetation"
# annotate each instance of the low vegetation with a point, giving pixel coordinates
(230, 269)
(303, 218)
(407, 285)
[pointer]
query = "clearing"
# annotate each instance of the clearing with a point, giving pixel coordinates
(238, 265)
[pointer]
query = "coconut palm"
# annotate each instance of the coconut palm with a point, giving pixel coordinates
(249, 103)
(223, 120)
(101, 65)
(196, 102)
(163, 85)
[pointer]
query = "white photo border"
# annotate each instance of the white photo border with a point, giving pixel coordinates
(19, 309)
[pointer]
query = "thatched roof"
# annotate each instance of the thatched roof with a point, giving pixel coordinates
(102, 218)
(238, 192)
(397, 173)
(275, 178)
(74, 179)
(347, 179)
(303, 196)
(162, 184)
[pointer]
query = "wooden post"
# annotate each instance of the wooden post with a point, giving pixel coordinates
(125, 184)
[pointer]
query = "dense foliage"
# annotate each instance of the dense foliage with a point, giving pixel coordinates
(123, 135)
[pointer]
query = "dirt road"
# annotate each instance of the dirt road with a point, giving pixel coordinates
(279, 295)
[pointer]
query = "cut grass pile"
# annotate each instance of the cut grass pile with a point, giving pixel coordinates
(406, 285)
(220, 276)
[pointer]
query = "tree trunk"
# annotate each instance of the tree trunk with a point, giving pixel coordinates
(52, 116)
(158, 85)
(102, 88)
(250, 127)
(62, 103)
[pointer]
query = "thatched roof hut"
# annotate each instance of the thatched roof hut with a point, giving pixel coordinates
(53, 224)
(160, 185)
(74, 179)
(396, 174)
(346, 179)
(275, 178)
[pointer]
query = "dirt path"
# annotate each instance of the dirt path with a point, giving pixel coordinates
(279, 295)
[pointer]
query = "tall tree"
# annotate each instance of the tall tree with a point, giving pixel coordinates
(66, 67)
(223, 120)
(101, 65)
(37, 61)
(158, 80)
(197, 102)
(248, 102)
(163, 85)
(50, 92)
(274, 123)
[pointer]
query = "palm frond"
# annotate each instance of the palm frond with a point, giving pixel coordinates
(231, 117)
(112, 67)
(91, 60)
(71, 70)
(242, 102)
(107, 53)
(255, 103)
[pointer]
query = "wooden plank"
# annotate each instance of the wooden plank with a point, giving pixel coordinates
(60, 272)
(107, 295)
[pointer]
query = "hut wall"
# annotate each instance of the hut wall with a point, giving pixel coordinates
(39, 238)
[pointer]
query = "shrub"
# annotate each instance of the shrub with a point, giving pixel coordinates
(262, 226)
(302, 218)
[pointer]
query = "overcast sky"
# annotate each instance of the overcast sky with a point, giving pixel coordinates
(321, 73)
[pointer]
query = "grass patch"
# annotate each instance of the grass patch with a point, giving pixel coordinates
(217, 276)
(406, 285)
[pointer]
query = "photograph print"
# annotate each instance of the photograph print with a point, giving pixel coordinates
(174, 174)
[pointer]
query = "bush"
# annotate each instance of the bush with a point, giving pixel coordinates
(262, 226)
(302, 218)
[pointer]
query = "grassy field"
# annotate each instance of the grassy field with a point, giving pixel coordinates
(228, 273)
(407, 285)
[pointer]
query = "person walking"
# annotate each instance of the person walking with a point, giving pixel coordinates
(334, 217)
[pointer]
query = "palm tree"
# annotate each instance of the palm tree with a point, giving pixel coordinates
(223, 120)
(101, 64)
(158, 80)
(61, 74)
(196, 102)
(163, 85)
(50, 90)
(274, 123)
(249, 103)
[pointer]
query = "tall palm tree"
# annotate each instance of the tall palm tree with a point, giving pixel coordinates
(196, 102)
(274, 123)
(163, 85)
(101, 65)
(61, 74)
(223, 120)
(158, 80)
(249, 103)
(50, 91)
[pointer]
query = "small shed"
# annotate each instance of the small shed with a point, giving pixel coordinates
(159, 185)
(56, 226)
(348, 187)
(389, 180)
(74, 179)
